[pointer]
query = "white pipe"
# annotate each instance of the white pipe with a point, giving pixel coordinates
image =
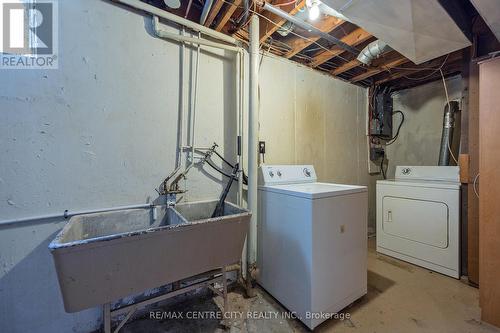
(185, 39)
(206, 10)
(137, 4)
(237, 67)
(67, 214)
(253, 123)
(194, 102)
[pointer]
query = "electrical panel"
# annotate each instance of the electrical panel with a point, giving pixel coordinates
(381, 124)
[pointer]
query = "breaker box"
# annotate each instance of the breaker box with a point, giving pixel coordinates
(381, 125)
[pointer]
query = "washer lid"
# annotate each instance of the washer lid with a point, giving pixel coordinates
(420, 183)
(314, 190)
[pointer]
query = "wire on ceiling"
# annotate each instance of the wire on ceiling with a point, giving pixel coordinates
(253, 11)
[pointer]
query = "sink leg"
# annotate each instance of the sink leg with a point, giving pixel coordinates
(224, 287)
(107, 317)
(225, 307)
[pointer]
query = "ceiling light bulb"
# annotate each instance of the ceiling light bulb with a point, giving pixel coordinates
(174, 4)
(314, 12)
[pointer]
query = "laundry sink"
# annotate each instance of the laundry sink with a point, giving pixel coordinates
(103, 257)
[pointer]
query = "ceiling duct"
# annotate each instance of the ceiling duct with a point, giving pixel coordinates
(420, 30)
(372, 51)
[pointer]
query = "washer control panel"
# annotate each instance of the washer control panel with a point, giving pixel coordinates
(286, 174)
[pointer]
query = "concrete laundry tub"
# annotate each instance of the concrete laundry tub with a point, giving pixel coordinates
(102, 257)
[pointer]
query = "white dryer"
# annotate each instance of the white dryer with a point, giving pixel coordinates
(312, 240)
(418, 217)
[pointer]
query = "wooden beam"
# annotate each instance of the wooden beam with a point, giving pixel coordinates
(327, 24)
(455, 56)
(213, 12)
(267, 28)
(227, 15)
(345, 67)
(374, 71)
(356, 37)
(489, 192)
(472, 199)
(395, 76)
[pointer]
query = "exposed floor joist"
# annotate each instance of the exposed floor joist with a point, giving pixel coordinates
(227, 15)
(428, 68)
(327, 24)
(216, 7)
(354, 38)
(267, 28)
(346, 67)
(383, 67)
(390, 69)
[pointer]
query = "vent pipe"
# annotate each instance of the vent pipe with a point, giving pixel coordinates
(450, 111)
(206, 10)
(373, 51)
(308, 27)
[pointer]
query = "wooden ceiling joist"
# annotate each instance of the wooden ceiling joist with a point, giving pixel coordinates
(227, 15)
(346, 67)
(216, 7)
(327, 24)
(354, 38)
(385, 66)
(427, 68)
(267, 28)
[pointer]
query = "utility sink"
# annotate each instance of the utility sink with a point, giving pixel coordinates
(103, 257)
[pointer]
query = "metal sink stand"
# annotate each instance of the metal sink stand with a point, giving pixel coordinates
(210, 279)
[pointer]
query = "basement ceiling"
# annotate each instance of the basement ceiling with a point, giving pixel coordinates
(421, 30)
(300, 46)
(490, 11)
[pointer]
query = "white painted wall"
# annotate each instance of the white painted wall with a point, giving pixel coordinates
(100, 132)
(420, 137)
(310, 118)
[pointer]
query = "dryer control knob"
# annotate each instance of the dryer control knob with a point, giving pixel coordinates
(307, 172)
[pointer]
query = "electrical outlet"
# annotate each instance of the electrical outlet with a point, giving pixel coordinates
(376, 153)
(262, 147)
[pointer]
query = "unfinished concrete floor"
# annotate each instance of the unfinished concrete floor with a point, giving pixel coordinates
(401, 298)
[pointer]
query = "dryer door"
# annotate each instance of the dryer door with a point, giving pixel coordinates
(421, 221)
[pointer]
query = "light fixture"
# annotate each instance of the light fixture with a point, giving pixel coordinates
(174, 4)
(313, 9)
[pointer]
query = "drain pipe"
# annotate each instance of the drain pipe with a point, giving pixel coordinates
(161, 33)
(253, 123)
(373, 51)
(142, 6)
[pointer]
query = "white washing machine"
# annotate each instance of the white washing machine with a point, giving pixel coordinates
(312, 242)
(418, 217)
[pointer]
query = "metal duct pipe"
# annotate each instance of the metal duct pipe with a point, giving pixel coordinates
(447, 137)
(253, 142)
(312, 29)
(206, 10)
(139, 5)
(373, 51)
